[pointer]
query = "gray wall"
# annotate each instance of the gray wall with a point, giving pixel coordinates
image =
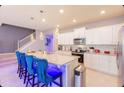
(9, 35)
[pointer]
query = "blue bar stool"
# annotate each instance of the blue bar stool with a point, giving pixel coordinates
(47, 75)
(31, 70)
(23, 66)
(19, 63)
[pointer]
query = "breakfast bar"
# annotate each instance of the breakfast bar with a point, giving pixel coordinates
(66, 63)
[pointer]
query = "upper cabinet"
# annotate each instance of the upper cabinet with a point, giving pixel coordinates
(65, 38)
(89, 36)
(103, 35)
(116, 29)
(79, 33)
(107, 35)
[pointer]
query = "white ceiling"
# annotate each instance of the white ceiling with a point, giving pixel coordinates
(20, 15)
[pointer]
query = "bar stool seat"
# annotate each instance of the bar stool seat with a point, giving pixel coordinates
(54, 72)
(47, 75)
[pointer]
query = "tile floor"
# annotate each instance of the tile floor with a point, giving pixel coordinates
(9, 78)
(99, 79)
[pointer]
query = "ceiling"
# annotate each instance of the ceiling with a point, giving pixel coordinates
(29, 16)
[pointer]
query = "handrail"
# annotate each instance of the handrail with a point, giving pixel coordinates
(26, 40)
(25, 37)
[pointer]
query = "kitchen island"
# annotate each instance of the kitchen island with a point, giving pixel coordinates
(66, 63)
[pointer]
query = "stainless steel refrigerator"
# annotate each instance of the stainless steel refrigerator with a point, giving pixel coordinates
(120, 56)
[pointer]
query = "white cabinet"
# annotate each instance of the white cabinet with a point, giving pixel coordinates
(107, 35)
(116, 29)
(89, 36)
(65, 38)
(60, 39)
(103, 35)
(70, 38)
(103, 63)
(113, 65)
(79, 33)
(99, 36)
(87, 61)
(91, 61)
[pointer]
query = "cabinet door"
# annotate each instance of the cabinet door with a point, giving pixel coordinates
(113, 65)
(96, 62)
(65, 38)
(60, 39)
(99, 36)
(79, 33)
(89, 36)
(88, 60)
(116, 29)
(91, 61)
(104, 66)
(103, 35)
(70, 38)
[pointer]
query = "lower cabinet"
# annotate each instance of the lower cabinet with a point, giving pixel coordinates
(103, 63)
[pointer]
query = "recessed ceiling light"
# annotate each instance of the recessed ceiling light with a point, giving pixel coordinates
(32, 18)
(74, 21)
(102, 12)
(61, 11)
(41, 11)
(57, 25)
(43, 20)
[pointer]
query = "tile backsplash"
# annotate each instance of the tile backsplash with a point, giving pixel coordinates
(102, 48)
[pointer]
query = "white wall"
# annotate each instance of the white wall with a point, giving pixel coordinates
(35, 45)
(55, 33)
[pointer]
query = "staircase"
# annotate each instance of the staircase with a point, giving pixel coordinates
(7, 59)
(26, 42)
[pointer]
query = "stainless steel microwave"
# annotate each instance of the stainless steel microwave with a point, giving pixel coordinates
(79, 41)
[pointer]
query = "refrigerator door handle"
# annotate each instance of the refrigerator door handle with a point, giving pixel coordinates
(118, 55)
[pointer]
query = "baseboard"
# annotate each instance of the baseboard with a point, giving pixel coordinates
(7, 53)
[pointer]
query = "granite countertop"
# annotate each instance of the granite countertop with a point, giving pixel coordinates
(55, 58)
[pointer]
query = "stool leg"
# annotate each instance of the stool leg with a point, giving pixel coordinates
(18, 69)
(25, 73)
(33, 81)
(46, 85)
(38, 84)
(27, 81)
(61, 81)
(50, 84)
(20, 73)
